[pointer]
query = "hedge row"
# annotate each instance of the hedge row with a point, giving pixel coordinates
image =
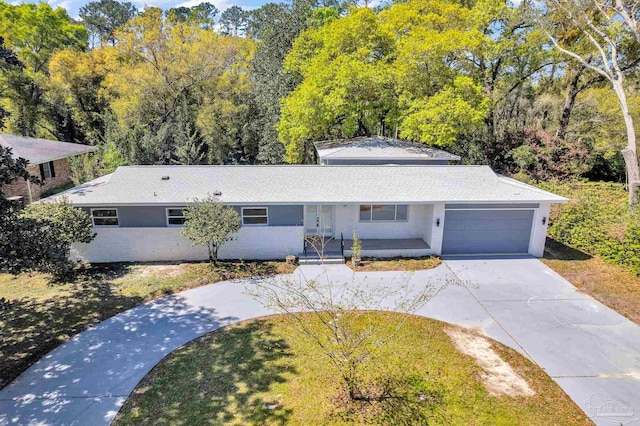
(597, 221)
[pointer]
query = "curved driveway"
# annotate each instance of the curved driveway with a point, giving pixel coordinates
(590, 350)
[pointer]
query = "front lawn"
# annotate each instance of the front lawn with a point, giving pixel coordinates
(267, 372)
(36, 315)
(398, 264)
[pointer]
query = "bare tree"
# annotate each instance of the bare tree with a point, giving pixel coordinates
(607, 26)
(332, 313)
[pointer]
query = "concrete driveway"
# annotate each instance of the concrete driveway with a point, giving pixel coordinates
(590, 350)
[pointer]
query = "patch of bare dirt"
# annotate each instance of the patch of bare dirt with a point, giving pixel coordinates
(160, 271)
(499, 378)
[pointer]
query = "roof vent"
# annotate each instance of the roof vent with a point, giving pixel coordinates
(165, 177)
(217, 193)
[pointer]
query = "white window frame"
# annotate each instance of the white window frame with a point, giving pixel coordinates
(395, 213)
(46, 167)
(117, 216)
(266, 214)
(174, 217)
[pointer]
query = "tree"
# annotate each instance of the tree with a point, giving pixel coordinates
(210, 223)
(346, 86)
(40, 237)
(160, 66)
(234, 21)
(8, 61)
(420, 69)
(202, 14)
(35, 33)
(190, 147)
(610, 28)
(102, 18)
(329, 313)
(275, 27)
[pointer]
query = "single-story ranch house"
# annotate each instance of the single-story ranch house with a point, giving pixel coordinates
(48, 160)
(397, 210)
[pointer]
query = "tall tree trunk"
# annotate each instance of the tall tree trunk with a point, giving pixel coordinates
(629, 153)
(569, 102)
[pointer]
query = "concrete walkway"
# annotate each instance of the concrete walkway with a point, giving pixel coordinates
(590, 350)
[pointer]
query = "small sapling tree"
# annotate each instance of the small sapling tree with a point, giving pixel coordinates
(210, 223)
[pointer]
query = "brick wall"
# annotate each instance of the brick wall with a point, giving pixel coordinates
(19, 188)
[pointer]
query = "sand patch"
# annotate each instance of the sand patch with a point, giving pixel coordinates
(498, 377)
(158, 271)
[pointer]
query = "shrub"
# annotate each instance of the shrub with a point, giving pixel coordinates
(544, 156)
(597, 221)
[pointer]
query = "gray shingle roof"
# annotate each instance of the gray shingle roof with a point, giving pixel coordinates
(143, 185)
(41, 150)
(378, 147)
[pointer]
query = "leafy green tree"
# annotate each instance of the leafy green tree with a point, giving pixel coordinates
(40, 237)
(8, 61)
(210, 223)
(611, 29)
(202, 14)
(275, 26)
(190, 146)
(346, 84)
(71, 224)
(103, 17)
(157, 67)
(234, 21)
(35, 33)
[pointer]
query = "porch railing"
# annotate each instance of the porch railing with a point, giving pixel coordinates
(342, 244)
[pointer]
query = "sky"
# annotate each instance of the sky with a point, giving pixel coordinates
(73, 6)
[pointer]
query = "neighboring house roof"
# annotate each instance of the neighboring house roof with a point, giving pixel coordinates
(378, 147)
(144, 185)
(41, 150)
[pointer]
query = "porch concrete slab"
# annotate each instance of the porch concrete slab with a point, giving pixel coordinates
(512, 278)
(334, 245)
(608, 401)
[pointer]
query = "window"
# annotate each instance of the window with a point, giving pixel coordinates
(104, 217)
(47, 171)
(383, 213)
(175, 216)
(255, 216)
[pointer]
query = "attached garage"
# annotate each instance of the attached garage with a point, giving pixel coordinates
(488, 229)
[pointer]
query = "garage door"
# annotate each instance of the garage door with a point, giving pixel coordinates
(487, 231)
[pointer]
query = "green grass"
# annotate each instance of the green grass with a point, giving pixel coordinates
(267, 372)
(36, 314)
(397, 264)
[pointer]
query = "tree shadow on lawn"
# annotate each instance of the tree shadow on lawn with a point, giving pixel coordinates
(221, 377)
(555, 250)
(32, 327)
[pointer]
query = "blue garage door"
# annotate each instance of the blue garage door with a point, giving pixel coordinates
(487, 231)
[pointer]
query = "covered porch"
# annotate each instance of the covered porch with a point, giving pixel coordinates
(337, 248)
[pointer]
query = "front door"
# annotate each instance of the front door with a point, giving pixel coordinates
(318, 220)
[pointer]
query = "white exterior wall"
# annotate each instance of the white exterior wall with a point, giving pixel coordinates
(167, 244)
(437, 232)
(347, 219)
(538, 230)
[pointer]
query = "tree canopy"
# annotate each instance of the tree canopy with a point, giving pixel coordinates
(194, 85)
